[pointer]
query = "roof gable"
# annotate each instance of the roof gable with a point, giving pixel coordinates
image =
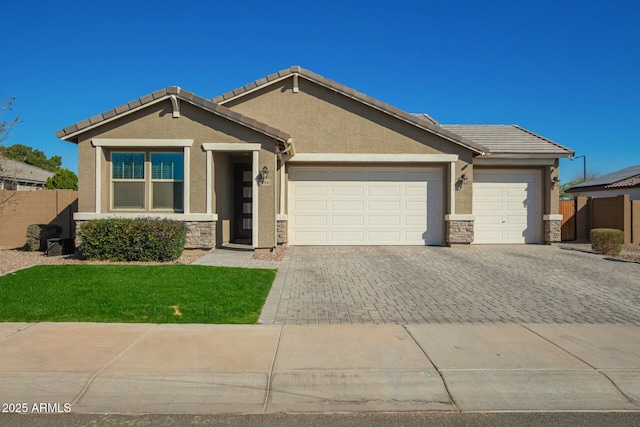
(424, 123)
(71, 133)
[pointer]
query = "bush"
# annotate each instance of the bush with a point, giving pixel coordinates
(607, 241)
(141, 239)
(37, 235)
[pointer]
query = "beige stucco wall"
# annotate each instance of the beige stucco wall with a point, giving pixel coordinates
(322, 121)
(156, 122)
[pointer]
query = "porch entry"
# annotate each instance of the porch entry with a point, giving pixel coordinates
(243, 203)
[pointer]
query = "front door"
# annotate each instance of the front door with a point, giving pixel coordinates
(243, 203)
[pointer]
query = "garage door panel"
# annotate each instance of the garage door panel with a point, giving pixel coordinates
(384, 220)
(347, 219)
(415, 220)
(384, 191)
(347, 191)
(310, 220)
(347, 237)
(308, 190)
(382, 206)
(507, 206)
(347, 205)
(367, 205)
(310, 205)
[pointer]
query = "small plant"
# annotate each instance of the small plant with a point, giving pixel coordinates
(607, 241)
(37, 235)
(140, 239)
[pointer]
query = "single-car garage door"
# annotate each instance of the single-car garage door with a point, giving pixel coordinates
(365, 205)
(507, 206)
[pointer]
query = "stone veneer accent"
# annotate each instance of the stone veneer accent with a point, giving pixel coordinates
(282, 232)
(552, 231)
(201, 234)
(459, 232)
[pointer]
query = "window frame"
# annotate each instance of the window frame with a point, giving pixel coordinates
(147, 181)
(113, 180)
(152, 180)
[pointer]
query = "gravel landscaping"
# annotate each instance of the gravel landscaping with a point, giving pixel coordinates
(13, 259)
(630, 252)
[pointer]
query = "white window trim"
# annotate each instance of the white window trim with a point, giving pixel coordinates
(98, 143)
(231, 147)
(141, 143)
(86, 216)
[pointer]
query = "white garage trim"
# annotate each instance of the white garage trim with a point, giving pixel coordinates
(373, 158)
(507, 205)
(365, 205)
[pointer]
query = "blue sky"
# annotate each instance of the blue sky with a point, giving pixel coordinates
(568, 70)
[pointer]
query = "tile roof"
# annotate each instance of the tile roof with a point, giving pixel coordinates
(70, 132)
(419, 120)
(628, 177)
(509, 139)
(13, 169)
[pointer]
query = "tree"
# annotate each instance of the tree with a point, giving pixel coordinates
(63, 179)
(6, 126)
(577, 179)
(28, 155)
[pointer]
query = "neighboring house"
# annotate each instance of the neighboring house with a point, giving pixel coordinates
(625, 181)
(296, 158)
(15, 175)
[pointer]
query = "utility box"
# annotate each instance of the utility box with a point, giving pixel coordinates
(59, 246)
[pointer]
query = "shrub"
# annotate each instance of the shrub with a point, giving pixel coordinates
(141, 239)
(607, 241)
(37, 235)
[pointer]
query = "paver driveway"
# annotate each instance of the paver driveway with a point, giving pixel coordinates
(383, 284)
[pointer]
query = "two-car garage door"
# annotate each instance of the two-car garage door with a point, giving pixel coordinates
(358, 205)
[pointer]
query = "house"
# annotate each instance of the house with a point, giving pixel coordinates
(15, 175)
(295, 158)
(625, 181)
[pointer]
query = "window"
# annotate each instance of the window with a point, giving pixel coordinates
(127, 173)
(167, 174)
(131, 179)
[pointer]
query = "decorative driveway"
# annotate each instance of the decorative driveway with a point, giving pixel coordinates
(478, 284)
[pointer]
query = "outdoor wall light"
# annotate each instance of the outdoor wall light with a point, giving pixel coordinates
(262, 176)
(464, 178)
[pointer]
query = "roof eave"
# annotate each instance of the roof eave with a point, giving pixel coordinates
(191, 99)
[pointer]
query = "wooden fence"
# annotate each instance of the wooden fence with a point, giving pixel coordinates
(581, 215)
(568, 211)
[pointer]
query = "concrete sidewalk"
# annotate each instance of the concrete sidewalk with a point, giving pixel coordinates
(142, 368)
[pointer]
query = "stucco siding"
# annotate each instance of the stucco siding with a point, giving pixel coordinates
(322, 121)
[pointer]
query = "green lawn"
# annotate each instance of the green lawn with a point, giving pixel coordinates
(134, 294)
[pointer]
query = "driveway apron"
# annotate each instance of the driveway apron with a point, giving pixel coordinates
(431, 285)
